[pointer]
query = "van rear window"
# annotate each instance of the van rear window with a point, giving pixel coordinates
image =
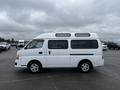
(84, 44)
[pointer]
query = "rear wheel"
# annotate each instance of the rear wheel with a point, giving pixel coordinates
(85, 67)
(34, 67)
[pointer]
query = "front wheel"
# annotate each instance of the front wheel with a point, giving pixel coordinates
(34, 67)
(85, 67)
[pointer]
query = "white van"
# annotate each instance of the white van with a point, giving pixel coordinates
(21, 43)
(52, 50)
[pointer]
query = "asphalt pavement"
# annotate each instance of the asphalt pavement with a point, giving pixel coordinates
(101, 78)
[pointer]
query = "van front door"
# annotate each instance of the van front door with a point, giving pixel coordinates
(58, 53)
(35, 50)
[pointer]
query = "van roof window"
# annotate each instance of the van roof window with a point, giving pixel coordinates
(82, 34)
(62, 34)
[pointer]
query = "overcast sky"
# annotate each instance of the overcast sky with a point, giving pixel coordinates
(25, 19)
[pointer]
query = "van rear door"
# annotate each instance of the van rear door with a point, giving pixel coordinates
(84, 49)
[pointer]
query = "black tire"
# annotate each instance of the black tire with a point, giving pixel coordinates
(85, 66)
(34, 67)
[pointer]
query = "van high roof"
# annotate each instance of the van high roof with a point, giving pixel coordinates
(68, 35)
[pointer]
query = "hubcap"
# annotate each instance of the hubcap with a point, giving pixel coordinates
(34, 67)
(85, 67)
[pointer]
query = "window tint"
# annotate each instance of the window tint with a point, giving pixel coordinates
(84, 44)
(62, 34)
(35, 44)
(82, 34)
(57, 44)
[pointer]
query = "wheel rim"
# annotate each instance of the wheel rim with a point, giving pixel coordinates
(34, 67)
(85, 67)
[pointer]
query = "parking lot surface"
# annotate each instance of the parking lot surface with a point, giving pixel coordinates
(101, 78)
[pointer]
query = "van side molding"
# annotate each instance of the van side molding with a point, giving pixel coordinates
(81, 54)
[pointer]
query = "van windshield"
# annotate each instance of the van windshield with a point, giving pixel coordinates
(35, 44)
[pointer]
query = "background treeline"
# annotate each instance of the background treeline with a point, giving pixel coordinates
(7, 40)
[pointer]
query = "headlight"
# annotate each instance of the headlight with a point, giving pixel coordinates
(17, 56)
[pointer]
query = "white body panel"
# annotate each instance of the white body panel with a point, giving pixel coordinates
(61, 57)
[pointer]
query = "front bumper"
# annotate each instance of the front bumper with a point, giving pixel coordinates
(18, 64)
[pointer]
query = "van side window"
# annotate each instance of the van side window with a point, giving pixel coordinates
(84, 44)
(35, 44)
(57, 44)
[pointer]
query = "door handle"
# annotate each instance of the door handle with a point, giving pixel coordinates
(40, 52)
(49, 52)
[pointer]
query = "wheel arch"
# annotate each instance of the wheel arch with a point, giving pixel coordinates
(85, 60)
(34, 60)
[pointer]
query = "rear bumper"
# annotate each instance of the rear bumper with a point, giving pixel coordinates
(100, 63)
